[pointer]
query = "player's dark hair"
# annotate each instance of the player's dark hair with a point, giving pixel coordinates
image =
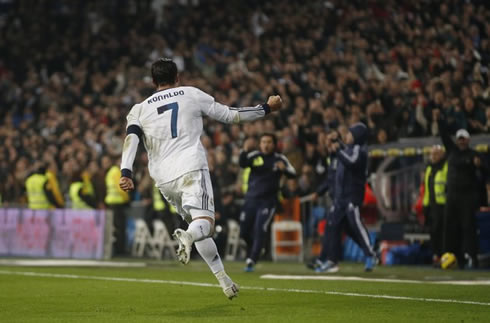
(164, 72)
(271, 135)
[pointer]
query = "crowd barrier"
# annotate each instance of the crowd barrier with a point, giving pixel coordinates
(60, 233)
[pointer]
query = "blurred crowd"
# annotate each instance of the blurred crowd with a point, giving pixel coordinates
(71, 70)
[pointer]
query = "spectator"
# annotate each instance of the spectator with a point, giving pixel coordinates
(39, 190)
(462, 196)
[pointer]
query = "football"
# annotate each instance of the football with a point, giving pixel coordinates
(449, 261)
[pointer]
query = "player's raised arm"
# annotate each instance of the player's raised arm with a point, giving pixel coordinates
(133, 137)
(227, 114)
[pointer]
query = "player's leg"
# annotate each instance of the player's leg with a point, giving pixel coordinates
(332, 241)
(328, 231)
(197, 200)
(361, 234)
(263, 218)
(247, 220)
(189, 193)
(173, 194)
(352, 234)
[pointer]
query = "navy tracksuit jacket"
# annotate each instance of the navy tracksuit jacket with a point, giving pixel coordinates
(261, 197)
(328, 183)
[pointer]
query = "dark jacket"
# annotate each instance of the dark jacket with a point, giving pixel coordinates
(263, 182)
(351, 172)
(328, 183)
(462, 172)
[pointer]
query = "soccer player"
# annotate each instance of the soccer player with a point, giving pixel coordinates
(267, 168)
(170, 123)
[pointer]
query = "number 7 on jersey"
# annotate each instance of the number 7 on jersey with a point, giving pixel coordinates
(173, 119)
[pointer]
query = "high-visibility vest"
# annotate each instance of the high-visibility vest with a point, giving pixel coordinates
(36, 196)
(76, 201)
(114, 195)
(440, 180)
(54, 187)
(245, 176)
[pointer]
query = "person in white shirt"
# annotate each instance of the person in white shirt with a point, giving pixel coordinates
(170, 124)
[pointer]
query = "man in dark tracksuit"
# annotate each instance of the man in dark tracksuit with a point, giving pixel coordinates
(267, 167)
(328, 184)
(460, 235)
(350, 180)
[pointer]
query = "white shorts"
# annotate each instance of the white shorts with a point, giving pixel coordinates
(191, 191)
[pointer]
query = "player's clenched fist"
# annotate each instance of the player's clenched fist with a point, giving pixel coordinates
(274, 102)
(126, 184)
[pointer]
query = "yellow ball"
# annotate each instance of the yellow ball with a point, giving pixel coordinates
(449, 261)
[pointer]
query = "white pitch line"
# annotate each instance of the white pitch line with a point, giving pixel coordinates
(376, 280)
(269, 289)
(68, 263)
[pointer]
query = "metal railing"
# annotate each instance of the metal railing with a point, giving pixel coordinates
(397, 191)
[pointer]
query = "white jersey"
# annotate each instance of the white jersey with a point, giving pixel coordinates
(171, 121)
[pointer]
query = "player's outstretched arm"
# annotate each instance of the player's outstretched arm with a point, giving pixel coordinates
(227, 114)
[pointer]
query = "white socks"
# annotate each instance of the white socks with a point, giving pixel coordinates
(208, 251)
(199, 229)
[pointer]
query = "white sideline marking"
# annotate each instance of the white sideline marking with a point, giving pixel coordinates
(68, 263)
(271, 289)
(380, 280)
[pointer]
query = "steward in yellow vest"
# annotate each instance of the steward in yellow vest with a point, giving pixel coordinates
(117, 200)
(39, 191)
(435, 180)
(81, 194)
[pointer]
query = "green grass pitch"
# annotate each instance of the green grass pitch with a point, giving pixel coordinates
(160, 292)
